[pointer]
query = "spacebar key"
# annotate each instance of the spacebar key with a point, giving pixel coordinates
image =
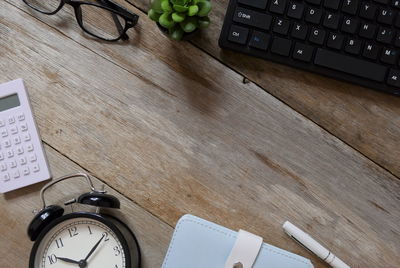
(350, 65)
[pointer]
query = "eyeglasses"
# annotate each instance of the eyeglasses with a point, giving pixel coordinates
(104, 19)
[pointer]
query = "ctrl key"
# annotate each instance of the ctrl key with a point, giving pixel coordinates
(238, 34)
(394, 78)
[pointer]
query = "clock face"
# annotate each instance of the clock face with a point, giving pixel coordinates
(81, 243)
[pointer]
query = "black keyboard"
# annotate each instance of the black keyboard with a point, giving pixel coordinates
(353, 40)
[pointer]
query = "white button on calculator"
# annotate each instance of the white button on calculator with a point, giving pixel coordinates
(22, 159)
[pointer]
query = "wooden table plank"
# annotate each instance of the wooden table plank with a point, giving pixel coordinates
(367, 120)
(169, 135)
(17, 207)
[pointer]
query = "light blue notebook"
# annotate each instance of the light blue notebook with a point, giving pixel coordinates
(198, 243)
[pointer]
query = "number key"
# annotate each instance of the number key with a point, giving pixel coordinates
(24, 127)
(3, 166)
(35, 168)
(6, 177)
(26, 171)
(4, 133)
(2, 124)
(22, 161)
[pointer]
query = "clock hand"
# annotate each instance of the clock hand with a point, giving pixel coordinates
(94, 248)
(67, 260)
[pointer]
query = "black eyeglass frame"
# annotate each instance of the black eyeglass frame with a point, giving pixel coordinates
(130, 18)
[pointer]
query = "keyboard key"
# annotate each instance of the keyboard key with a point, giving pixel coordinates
(237, 34)
(20, 150)
(278, 6)
(333, 4)
(353, 46)
(13, 164)
(252, 18)
(317, 36)
(367, 10)
(303, 52)
(335, 41)
(26, 137)
(10, 153)
(331, 20)
(14, 130)
(32, 158)
(295, 10)
(1, 156)
(350, 6)
(397, 40)
(22, 161)
(350, 25)
(261, 4)
(386, 16)
(11, 120)
(4, 133)
(313, 15)
(371, 51)
(367, 30)
(281, 26)
(3, 166)
(21, 117)
(16, 174)
(281, 46)
(16, 140)
(299, 31)
(35, 168)
(385, 35)
(29, 147)
(350, 65)
(396, 3)
(315, 2)
(26, 171)
(259, 40)
(7, 143)
(23, 127)
(5, 177)
(2, 123)
(389, 56)
(394, 78)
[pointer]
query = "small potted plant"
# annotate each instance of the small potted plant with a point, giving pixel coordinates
(179, 18)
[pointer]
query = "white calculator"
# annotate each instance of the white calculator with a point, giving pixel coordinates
(22, 159)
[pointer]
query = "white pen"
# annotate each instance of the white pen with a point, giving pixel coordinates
(309, 243)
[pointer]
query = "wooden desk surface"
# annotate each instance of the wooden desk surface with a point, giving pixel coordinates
(172, 129)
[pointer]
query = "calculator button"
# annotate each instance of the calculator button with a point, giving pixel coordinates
(22, 161)
(35, 168)
(4, 133)
(21, 117)
(11, 120)
(3, 166)
(25, 171)
(5, 177)
(13, 164)
(14, 130)
(17, 140)
(2, 123)
(26, 137)
(20, 150)
(32, 158)
(16, 174)
(10, 153)
(7, 143)
(24, 127)
(29, 147)
(1, 156)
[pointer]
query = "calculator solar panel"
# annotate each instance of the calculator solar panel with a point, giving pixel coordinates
(352, 40)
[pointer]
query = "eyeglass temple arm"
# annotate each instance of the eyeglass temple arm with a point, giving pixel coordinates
(116, 21)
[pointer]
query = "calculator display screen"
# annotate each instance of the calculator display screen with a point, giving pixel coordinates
(9, 102)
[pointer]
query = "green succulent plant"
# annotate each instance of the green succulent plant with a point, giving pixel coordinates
(180, 16)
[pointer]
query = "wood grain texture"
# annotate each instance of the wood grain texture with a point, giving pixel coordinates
(178, 132)
(17, 208)
(367, 120)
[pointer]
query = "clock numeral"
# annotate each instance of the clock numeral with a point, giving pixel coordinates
(59, 243)
(73, 231)
(117, 251)
(90, 230)
(52, 259)
(105, 234)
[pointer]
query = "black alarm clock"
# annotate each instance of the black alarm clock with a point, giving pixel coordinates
(82, 239)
